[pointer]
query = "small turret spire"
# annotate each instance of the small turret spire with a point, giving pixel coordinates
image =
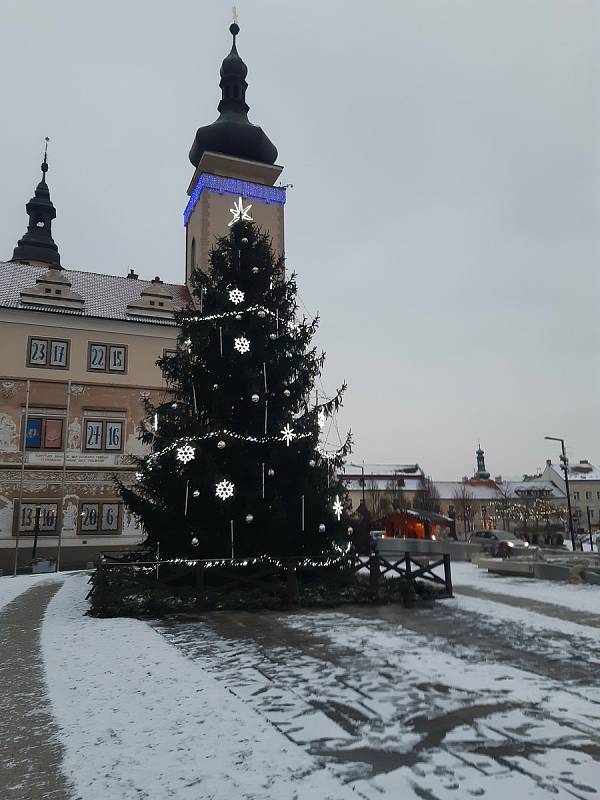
(481, 473)
(37, 244)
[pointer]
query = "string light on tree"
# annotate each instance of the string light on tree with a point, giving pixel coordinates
(224, 489)
(185, 453)
(240, 213)
(321, 419)
(241, 344)
(236, 296)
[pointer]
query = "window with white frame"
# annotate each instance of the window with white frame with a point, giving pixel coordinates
(104, 435)
(37, 516)
(104, 357)
(100, 517)
(47, 353)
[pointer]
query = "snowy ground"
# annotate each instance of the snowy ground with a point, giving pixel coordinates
(474, 697)
(575, 596)
(12, 586)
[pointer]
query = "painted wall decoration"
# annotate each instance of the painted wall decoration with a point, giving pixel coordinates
(7, 389)
(53, 434)
(74, 435)
(8, 434)
(33, 435)
(6, 516)
(70, 513)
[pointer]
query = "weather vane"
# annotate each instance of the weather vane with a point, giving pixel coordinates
(45, 162)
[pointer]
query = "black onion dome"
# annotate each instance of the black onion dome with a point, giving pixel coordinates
(37, 243)
(233, 64)
(232, 133)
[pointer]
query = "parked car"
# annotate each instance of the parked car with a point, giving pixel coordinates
(500, 544)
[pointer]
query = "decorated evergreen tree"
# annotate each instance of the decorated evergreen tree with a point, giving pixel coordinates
(236, 462)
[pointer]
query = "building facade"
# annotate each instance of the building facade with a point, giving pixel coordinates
(584, 486)
(80, 349)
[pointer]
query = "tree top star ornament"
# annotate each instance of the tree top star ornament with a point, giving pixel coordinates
(239, 212)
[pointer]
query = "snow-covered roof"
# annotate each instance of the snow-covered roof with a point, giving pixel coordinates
(536, 487)
(448, 490)
(383, 470)
(578, 471)
(354, 484)
(104, 296)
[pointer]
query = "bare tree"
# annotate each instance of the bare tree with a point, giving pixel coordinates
(377, 499)
(504, 503)
(427, 498)
(395, 492)
(463, 500)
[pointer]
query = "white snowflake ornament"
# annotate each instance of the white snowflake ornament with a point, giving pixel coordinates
(236, 296)
(288, 434)
(224, 489)
(185, 453)
(338, 507)
(241, 344)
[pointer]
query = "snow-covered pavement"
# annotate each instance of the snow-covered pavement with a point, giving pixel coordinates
(12, 586)
(469, 698)
(140, 720)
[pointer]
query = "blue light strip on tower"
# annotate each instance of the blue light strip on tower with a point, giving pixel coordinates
(215, 183)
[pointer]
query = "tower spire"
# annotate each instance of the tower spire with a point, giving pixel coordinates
(37, 244)
(232, 133)
(481, 473)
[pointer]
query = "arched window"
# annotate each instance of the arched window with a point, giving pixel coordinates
(193, 256)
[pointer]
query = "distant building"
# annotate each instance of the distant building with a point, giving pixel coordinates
(79, 354)
(384, 487)
(584, 486)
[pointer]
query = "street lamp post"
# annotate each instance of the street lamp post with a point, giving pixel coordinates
(362, 469)
(565, 467)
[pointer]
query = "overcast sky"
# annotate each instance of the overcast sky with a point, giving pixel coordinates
(445, 215)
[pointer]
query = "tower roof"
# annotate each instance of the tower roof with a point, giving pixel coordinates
(232, 133)
(37, 244)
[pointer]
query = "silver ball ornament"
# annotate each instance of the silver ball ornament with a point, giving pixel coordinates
(350, 530)
(195, 542)
(321, 528)
(173, 405)
(249, 519)
(286, 393)
(244, 240)
(196, 493)
(255, 270)
(272, 336)
(270, 472)
(215, 386)
(238, 317)
(312, 463)
(255, 398)
(221, 444)
(261, 314)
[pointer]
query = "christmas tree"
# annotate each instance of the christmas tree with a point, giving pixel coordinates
(236, 464)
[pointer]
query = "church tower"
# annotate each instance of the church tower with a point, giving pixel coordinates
(481, 472)
(37, 246)
(235, 171)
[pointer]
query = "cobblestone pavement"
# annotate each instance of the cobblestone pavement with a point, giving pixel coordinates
(30, 753)
(436, 702)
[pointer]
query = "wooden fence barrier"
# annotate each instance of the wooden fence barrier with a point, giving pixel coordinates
(200, 579)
